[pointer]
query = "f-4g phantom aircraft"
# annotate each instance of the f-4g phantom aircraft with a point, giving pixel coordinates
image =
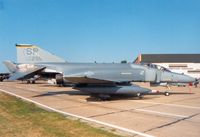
(102, 79)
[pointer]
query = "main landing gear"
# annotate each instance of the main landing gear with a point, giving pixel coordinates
(30, 81)
(104, 97)
(139, 95)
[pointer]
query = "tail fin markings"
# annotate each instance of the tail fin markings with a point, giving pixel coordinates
(32, 54)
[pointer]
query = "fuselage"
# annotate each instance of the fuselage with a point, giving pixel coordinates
(117, 72)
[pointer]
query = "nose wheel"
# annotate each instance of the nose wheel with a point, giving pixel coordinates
(166, 93)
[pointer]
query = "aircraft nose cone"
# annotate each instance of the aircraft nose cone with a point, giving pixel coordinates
(191, 79)
(186, 79)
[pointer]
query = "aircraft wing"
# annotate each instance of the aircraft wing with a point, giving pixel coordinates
(27, 73)
(92, 78)
(111, 88)
(87, 80)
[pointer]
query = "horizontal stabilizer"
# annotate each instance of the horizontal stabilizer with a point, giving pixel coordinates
(10, 66)
(30, 73)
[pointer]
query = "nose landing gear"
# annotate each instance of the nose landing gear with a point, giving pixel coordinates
(166, 93)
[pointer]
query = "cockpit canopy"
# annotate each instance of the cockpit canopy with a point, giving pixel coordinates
(156, 67)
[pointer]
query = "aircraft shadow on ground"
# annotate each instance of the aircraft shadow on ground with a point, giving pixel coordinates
(183, 93)
(119, 97)
(52, 85)
(54, 93)
(172, 93)
(93, 98)
(37, 83)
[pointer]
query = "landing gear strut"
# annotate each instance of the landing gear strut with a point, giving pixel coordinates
(139, 95)
(166, 92)
(104, 97)
(30, 81)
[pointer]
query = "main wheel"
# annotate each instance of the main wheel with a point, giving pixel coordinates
(139, 95)
(28, 81)
(104, 97)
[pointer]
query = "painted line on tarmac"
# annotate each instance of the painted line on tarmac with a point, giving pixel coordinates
(80, 117)
(161, 113)
(184, 106)
(167, 104)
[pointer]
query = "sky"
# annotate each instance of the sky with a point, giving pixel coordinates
(100, 30)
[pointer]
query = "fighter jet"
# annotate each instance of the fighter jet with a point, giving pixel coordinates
(102, 79)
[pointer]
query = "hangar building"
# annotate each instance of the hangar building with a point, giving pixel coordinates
(188, 64)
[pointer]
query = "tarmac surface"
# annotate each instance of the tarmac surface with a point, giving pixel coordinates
(177, 115)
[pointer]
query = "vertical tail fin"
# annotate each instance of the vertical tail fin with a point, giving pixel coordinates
(33, 54)
(11, 66)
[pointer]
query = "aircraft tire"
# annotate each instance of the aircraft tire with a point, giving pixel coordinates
(103, 97)
(167, 93)
(28, 81)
